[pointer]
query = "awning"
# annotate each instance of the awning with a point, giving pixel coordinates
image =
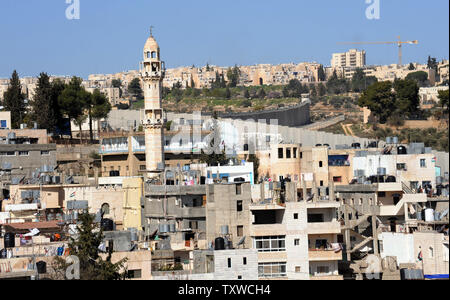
(437, 276)
(47, 226)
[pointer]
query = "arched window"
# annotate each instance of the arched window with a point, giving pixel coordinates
(148, 54)
(105, 209)
(431, 252)
(153, 54)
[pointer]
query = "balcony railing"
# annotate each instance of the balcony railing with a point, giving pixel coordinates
(324, 255)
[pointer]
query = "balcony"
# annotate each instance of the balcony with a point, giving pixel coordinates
(324, 228)
(394, 210)
(327, 277)
(324, 255)
(268, 230)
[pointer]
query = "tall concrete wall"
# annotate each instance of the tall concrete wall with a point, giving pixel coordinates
(298, 115)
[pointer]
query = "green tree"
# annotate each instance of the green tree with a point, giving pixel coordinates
(420, 77)
(85, 246)
(98, 108)
(380, 99)
(14, 101)
(214, 155)
(321, 73)
(228, 93)
(73, 99)
(246, 94)
(42, 105)
(406, 97)
(321, 90)
(432, 63)
(58, 87)
(336, 85)
(233, 75)
(443, 100)
(117, 83)
(134, 88)
(360, 81)
(261, 94)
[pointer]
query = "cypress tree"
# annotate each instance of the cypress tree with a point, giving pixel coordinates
(14, 101)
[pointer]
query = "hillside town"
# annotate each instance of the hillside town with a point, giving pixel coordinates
(253, 195)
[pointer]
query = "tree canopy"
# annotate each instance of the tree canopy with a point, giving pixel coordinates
(85, 246)
(420, 77)
(14, 101)
(386, 99)
(380, 99)
(134, 88)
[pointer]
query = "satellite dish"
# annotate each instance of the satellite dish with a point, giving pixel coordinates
(241, 241)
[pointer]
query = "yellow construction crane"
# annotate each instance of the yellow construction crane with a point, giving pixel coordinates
(399, 43)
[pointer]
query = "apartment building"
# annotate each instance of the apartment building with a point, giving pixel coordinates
(351, 59)
(177, 215)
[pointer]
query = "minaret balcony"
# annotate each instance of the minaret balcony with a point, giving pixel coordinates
(152, 123)
(152, 75)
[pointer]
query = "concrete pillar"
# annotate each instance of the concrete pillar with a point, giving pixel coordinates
(347, 233)
(96, 175)
(375, 235)
(262, 192)
(314, 189)
(332, 194)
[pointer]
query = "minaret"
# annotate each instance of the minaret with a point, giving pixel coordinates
(152, 71)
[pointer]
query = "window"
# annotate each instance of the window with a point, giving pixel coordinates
(298, 269)
(295, 152)
(8, 153)
(295, 216)
(337, 178)
(320, 164)
(244, 260)
(238, 189)
(401, 167)
(135, 274)
(45, 152)
(382, 194)
(315, 218)
(423, 163)
(321, 183)
(240, 231)
(323, 269)
(431, 252)
(193, 224)
(288, 152)
(273, 269)
(270, 243)
(105, 209)
(142, 167)
(297, 242)
(229, 262)
(239, 205)
(24, 153)
(280, 152)
(301, 155)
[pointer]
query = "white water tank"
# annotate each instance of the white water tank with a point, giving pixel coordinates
(429, 215)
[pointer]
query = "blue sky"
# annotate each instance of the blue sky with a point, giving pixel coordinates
(110, 34)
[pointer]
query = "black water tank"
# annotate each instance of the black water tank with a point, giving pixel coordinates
(401, 150)
(219, 244)
(10, 240)
(107, 225)
(391, 179)
(41, 267)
